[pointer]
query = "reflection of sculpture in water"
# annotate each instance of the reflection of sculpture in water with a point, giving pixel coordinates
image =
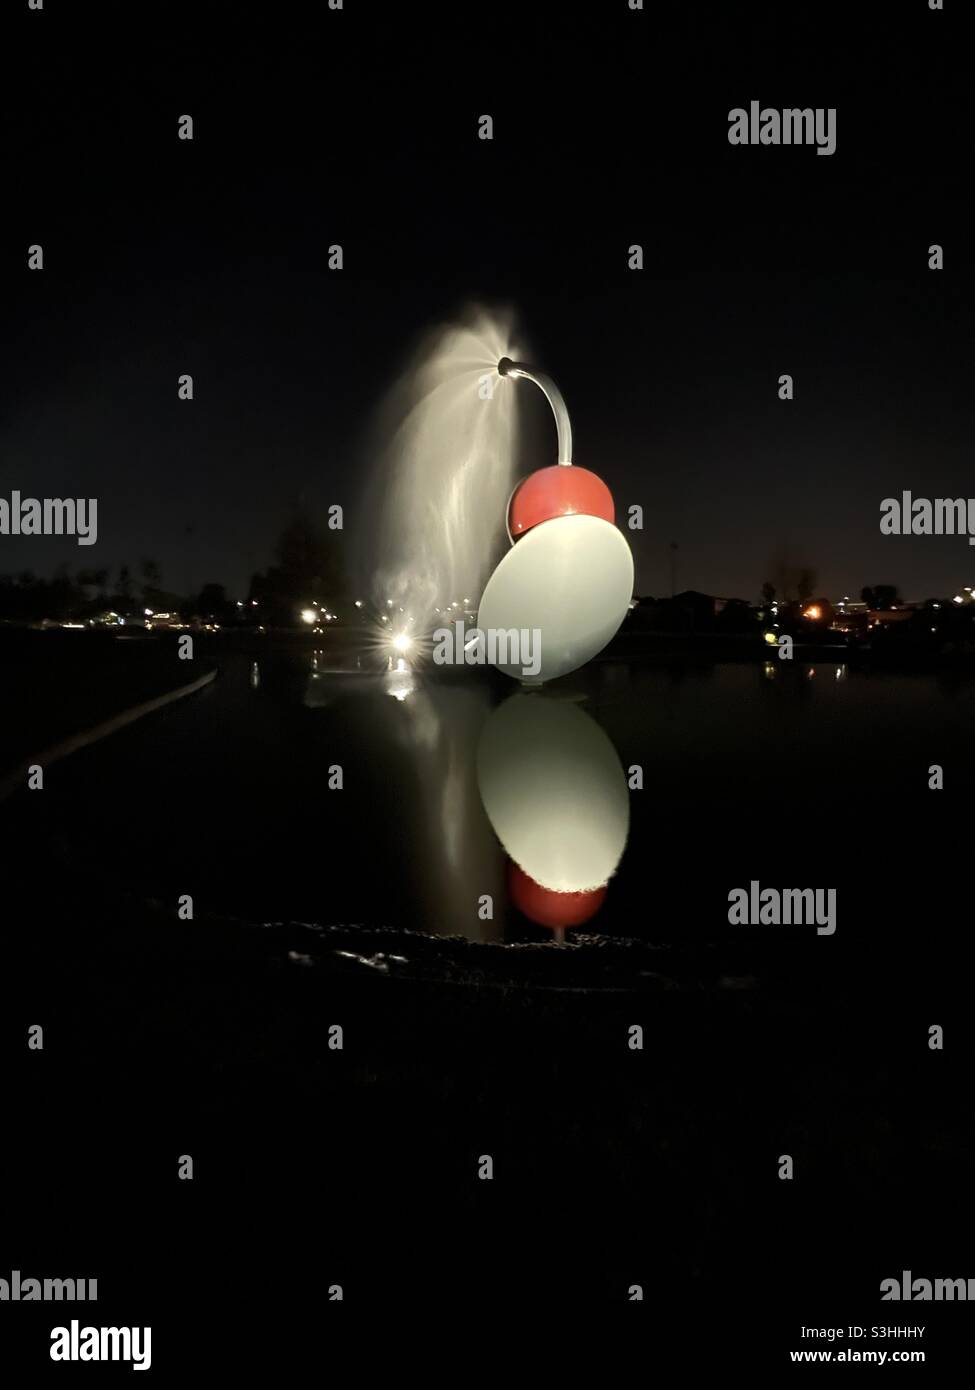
(555, 793)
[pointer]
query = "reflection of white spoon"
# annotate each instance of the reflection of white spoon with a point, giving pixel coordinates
(571, 580)
(556, 795)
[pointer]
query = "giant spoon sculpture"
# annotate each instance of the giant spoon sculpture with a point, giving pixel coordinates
(568, 576)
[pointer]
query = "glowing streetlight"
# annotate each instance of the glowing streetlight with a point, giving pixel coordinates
(308, 615)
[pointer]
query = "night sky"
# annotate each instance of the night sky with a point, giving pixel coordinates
(360, 127)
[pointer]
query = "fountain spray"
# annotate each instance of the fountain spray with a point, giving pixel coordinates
(554, 397)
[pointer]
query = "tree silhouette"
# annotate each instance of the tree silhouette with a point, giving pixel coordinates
(308, 568)
(881, 596)
(806, 585)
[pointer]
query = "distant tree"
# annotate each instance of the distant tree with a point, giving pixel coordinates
(308, 568)
(211, 604)
(881, 596)
(124, 582)
(768, 592)
(29, 599)
(94, 579)
(151, 584)
(806, 584)
(64, 597)
(736, 616)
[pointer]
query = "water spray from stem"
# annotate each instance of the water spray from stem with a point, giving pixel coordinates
(506, 367)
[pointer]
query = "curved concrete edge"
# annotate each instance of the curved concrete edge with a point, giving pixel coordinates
(12, 781)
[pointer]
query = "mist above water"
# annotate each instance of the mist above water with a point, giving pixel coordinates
(445, 464)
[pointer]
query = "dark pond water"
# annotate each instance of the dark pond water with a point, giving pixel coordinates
(758, 1041)
(786, 773)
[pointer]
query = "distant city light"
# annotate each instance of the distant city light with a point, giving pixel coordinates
(402, 641)
(771, 639)
(358, 603)
(959, 599)
(308, 615)
(814, 612)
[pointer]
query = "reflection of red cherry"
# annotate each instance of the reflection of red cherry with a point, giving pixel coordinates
(562, 490)
(549, 908)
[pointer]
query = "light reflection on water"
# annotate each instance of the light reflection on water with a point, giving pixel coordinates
(488, 783)
(667, 782)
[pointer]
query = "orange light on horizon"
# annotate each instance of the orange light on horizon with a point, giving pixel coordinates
(813, 612)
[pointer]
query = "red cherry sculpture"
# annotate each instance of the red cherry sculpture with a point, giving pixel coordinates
(561, 490)
(546, 906)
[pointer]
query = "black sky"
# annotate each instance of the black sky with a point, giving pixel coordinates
(359, 127)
